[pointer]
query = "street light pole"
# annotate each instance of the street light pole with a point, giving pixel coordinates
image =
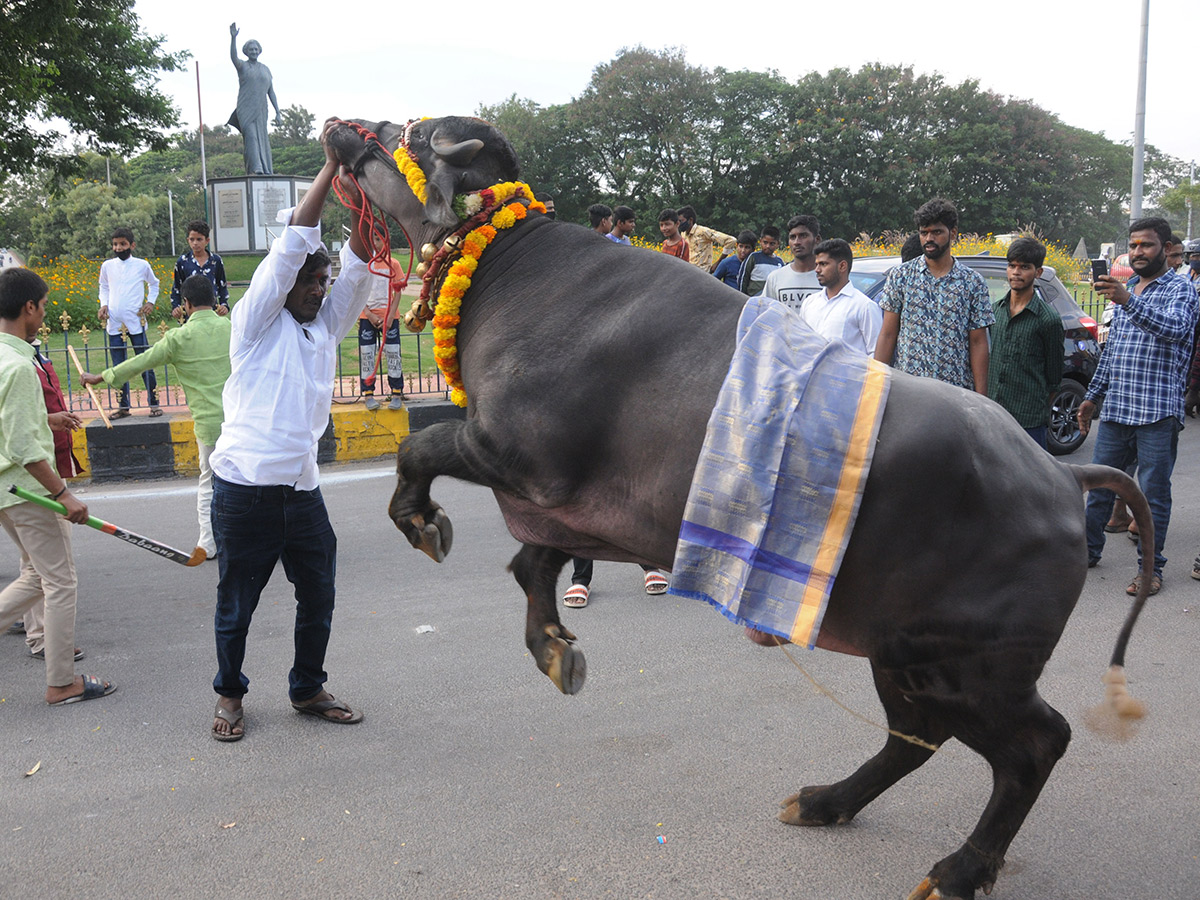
(1192, 182)
(203, 165)
(1139, 119)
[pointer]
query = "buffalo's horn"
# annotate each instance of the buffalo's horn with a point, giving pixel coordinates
(459, 154)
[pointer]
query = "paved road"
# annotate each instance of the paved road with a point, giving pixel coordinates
(473, 777)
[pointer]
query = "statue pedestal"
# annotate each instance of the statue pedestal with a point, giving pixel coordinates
(244, 209)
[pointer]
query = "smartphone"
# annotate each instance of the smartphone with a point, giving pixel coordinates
(1099, 268)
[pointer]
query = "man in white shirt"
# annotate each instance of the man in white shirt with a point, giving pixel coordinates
(266, 502)
(128, 290)
(841, 312)
(790, 284)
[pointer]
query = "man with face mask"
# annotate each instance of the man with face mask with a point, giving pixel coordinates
(1141, 379)
(1191, 258)
(128, 292)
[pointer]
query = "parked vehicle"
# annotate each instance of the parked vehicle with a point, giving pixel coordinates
(1081, 351)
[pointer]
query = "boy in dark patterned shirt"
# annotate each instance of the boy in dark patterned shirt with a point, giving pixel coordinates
(199, 261)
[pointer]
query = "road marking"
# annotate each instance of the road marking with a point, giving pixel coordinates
(327, 480)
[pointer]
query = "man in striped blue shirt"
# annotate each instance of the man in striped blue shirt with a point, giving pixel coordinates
(1141, 379)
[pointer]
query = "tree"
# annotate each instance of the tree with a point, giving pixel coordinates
(1177, 200)
(88, 63)
(641, 120)
(551, 157)
(297, 127)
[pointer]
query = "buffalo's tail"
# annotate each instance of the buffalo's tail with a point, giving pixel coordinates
(1090, 477)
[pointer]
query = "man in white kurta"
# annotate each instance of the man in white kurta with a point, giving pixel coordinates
(841, 312)
(128, 292)
(267, 505)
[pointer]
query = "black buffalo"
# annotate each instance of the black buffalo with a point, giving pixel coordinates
(591, 370)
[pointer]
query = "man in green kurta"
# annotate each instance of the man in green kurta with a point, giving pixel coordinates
(199, 351)
(1027, 343)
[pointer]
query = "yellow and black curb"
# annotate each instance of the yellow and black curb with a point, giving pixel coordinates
(140, 447)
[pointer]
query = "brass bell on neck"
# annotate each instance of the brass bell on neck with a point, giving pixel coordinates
(412, 323)
(428, 251)
(422, 268)
(452, 243)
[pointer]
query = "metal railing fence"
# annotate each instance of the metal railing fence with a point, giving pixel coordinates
(422, 380)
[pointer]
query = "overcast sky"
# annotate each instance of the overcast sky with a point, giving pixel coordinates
(384, 60)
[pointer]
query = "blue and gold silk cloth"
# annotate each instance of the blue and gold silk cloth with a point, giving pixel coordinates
(780, 478)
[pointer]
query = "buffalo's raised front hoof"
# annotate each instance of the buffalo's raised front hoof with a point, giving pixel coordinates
(562, 662)
(430, 533)
(813, 806)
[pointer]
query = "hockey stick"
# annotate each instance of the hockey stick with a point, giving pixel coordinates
(196, 557)
(91, 391)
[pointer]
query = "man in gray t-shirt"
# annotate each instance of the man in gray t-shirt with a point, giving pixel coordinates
(792, 283)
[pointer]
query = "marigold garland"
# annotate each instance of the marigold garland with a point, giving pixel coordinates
(411, 171)
(458, 279)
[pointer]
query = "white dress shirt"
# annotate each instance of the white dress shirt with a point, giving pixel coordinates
(278, 395)
(123, 290)
(849, 316)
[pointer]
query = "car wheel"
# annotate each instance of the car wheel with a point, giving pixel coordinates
(1064, 436)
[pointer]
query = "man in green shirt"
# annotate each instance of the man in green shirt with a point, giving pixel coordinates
(1027, 343)
(27, 460)
(199, 351)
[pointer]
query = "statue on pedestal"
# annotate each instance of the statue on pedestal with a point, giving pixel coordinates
(250, 117)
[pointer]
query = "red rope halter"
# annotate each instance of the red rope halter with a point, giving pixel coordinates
(372, 230)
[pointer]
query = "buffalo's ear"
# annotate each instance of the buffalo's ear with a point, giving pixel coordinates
(440, 187)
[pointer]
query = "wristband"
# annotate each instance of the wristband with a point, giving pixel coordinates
(60, 493)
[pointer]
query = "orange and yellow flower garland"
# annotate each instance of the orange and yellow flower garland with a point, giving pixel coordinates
(458, 280)
(411, 172)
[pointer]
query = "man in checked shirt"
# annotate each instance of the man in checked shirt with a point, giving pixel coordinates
(1141, 379)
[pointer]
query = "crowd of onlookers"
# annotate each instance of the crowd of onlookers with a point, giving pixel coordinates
(934, 318)
(256, 435)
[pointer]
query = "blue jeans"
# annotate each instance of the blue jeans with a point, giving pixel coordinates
(368, 350)
(254, 527)
(116, 349)
(1154, 447)
(1038, 433)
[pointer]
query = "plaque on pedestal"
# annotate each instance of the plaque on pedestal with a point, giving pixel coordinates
(244, 210)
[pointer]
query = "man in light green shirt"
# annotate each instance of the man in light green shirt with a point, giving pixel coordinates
(199, 351)
(27, 460)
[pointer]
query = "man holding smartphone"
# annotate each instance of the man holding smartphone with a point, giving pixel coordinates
(1150, 348)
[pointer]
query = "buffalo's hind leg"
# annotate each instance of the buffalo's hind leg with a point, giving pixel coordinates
(552, 645)
(1021, 737)
(834, 804)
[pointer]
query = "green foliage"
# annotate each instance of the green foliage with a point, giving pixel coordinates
(858, 149)
(86, 62)
(81, 221)
(297, 127)
(1177, 198)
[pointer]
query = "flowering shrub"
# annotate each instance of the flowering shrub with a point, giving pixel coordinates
(1069, 270)
(75, 289)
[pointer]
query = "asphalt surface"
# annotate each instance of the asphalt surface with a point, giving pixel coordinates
(473, 777)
